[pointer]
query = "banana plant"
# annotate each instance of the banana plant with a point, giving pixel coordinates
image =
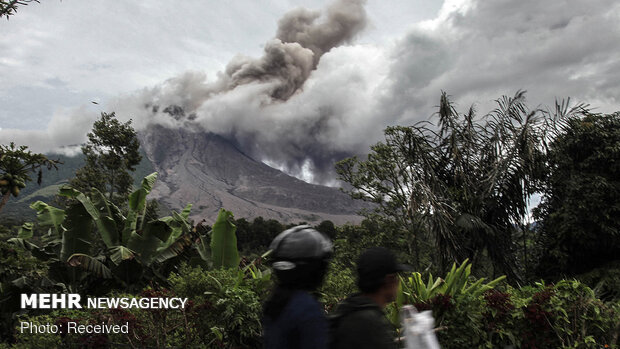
(130, 245)
(132, 238)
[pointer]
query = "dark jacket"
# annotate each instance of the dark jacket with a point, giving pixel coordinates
(359, 323)
(302, 324)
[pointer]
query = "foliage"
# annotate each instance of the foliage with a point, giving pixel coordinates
(564, 315)
(352, 240)
(224, 252)
(224, 310)
(456, 283)
(92, 241)
(230, 306)
(111, 152)
(339, 284)
(605, 281)
(255, 236)
(16, 164)
(17, 268)
(580, 211)
(462, 182)
(9, 7)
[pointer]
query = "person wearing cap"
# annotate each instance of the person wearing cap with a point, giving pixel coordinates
(359, 321)
(292, 316)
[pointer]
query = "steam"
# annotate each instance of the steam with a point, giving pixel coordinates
(250, 101)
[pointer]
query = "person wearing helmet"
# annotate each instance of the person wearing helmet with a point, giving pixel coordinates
(292, 317)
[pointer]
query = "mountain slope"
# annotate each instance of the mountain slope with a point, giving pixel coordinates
(209, 171)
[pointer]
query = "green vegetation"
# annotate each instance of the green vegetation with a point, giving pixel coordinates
(451, 199)
(459, 185)
(9, 7)
(579, 213)
(16, 165)
(112, 151)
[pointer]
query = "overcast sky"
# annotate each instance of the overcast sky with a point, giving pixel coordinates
(57, 54)
(56, 57)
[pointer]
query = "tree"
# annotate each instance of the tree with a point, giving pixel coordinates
(9, 7)
(580, 209)
(111, 152)
(16, 164)
(461, 183)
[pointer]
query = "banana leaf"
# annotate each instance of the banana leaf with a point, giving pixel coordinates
(90, 264)
(153, 236)
(224, 252)
(25, 231)
(49, 216)
(78, 230)
(120, 253)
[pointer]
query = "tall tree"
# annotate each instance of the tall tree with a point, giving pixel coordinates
(112, 151)
(580, 209)
(16, 165)
(461, 182)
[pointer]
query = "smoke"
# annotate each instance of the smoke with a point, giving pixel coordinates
(250, 101)
(302, 38)
(313, 98)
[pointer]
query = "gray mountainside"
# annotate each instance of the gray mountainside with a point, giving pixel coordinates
(208, 171)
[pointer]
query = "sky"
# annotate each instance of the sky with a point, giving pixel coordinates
(387, 67)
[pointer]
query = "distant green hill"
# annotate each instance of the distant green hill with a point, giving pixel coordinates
(18, 209)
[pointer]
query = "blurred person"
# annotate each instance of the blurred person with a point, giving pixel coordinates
(292, 316)
(359, 322)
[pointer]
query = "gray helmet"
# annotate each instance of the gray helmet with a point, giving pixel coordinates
(299, 244)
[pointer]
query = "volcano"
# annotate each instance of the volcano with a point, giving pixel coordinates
(211, 172)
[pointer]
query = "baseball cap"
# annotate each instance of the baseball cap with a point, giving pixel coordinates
(377, 262)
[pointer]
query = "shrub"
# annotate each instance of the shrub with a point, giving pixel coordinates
(226, 308)
(339, 284)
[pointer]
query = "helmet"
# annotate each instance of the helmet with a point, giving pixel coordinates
(299, 245)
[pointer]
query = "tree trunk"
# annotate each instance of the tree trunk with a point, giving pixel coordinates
(111, 186)
(5, 199)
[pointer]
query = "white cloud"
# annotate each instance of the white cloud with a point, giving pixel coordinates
(474, 50)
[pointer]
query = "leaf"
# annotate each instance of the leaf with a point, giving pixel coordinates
(101, 214)
(25, 231)
(90, 264)
(77, 236)
(120, 253)
(186, 211)
(130, 226)
(202, 249)
(137, 199)
(174, 249)
(178, 223)
(147, 243)
(224, 252)
(49, 216)
(137, 205)
(68, 191)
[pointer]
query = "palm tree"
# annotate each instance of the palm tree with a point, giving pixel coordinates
(463, 182)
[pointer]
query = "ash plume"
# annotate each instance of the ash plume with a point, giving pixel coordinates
(301, 39)
(245, 102)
